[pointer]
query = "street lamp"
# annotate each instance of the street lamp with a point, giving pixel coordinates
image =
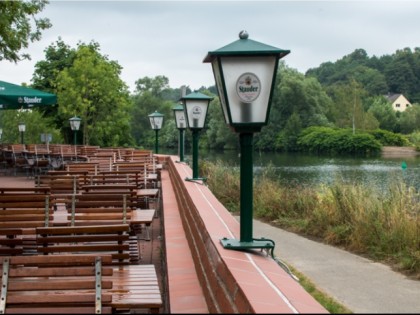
(245, 72)
(75, 125)
(156, 120)
(195, 108)
(1, 133)
(181, 124)
(22, 128)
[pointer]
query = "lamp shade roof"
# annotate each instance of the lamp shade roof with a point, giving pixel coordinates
(178, 107)
(196, 96)
(245, 46)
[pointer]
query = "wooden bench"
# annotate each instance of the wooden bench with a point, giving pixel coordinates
(25, 190)
(138, 177)
(106, 209)
(92, 168)
(105, 239)
(99, 209)
(11, 242)
(70, 284)
(62, 187)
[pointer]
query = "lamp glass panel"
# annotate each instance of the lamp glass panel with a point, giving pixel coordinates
(156, 122)
(220, 88)
(196, 112)
(248, 83)
(22, 127)
(74, 124)
(181, 122)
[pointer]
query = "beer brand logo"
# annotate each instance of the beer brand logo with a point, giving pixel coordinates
(248, 87)
(29, 100)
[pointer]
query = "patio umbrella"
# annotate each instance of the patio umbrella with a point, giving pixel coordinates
(14, 96)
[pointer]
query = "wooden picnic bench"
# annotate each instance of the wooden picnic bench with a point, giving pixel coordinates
(70, 284)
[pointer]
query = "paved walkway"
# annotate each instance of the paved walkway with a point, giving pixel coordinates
(363, 286)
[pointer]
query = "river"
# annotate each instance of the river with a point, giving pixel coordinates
(305, 169)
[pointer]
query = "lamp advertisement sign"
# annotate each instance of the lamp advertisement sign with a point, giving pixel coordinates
(248, 87)
(196, 115)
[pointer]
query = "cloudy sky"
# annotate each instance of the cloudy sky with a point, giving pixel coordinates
(171, 38)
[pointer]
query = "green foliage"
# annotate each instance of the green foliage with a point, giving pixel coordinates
(19, 26)
(35, 126)
(389, 138)
(410, 119)
(337, 141)
(91, 89)
(396, 73)
(384, 113)
(414, 138)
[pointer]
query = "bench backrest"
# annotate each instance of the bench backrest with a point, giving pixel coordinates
(93, 239)
(62, 184)
(56, 284)
(25, 210)
(92, 168)
(99, 209)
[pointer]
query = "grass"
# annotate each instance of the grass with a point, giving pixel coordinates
(330, 304)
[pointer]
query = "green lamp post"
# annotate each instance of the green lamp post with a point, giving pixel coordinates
(22, 129)
(156, 121)
(181, 125)
(245, 72)
(75, 126)
(195, 108)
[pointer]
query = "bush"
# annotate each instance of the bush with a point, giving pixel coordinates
(337, 141)
(389, 138)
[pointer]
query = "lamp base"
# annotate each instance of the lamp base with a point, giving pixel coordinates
(262, 243)
(203, 179)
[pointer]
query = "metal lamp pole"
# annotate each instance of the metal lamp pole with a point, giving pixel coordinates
(196, 106)
(245, 72)
(156, 120)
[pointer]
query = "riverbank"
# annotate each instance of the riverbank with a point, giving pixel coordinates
(393, 151)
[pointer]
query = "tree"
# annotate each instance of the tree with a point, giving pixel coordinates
(218, 133)
(155, 85)
(91, 89)
(384, 113)
(16, 30)
(348, 100)
(58, 57)
(410, 119)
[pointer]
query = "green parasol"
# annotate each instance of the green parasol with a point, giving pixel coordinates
(14, 96)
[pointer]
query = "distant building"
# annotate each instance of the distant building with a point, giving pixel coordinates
(398, 101)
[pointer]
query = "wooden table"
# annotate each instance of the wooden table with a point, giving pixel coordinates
(148, 193)
(143, 216)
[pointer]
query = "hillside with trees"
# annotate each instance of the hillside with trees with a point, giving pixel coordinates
(340, 104)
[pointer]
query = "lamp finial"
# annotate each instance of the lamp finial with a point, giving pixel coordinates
(243, 35)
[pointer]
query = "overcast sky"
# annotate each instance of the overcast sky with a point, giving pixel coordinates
(171, 38)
